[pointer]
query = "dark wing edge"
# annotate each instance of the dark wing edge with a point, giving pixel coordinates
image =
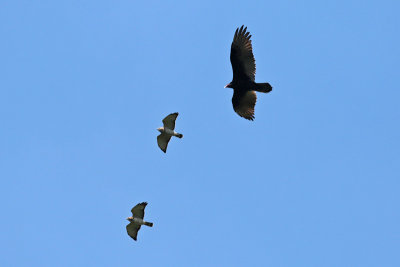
(242, 58)
(169, 121)
(244, 104)
(162, 141)
(138, 210)
(132, 230)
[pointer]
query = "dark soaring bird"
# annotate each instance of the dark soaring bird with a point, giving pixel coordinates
(137, 220)
(167, 131)
(244, 71)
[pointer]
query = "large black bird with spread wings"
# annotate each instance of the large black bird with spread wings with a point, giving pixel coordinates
(244, 72)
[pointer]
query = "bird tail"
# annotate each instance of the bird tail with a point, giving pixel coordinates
(179, 135)
(150, 224)
(263, 87)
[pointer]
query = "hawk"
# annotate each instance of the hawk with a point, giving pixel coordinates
(137, 220)
(167, 131)
(244, 71)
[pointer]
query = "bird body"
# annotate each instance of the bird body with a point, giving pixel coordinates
(244, 70)
(167, 131)
(139, 221)
(136, 220)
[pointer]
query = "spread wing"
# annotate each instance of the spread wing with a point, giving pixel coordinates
(138, 210)
(244, 102)
(132, 230)
(162, 141)
(242, 58)
(169, 121)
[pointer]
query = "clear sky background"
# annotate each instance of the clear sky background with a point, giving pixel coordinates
(313, 181)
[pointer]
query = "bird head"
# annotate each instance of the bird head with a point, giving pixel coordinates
(129, 219)
(160, 129)
(229, 85)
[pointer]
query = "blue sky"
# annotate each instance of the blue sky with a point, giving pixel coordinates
(313, 181)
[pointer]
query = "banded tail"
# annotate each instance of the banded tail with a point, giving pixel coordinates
(150, 224)
(263, 87)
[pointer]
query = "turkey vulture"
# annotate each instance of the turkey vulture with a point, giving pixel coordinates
(167, 131)
(244, 71)
(137, 220)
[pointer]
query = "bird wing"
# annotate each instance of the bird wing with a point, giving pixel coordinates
(169, 121)
(242, 58)
(244, 102)
(162, 141)
(138, 210)
(132, 230)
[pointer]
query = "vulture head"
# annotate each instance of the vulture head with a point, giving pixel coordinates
(229, 85)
